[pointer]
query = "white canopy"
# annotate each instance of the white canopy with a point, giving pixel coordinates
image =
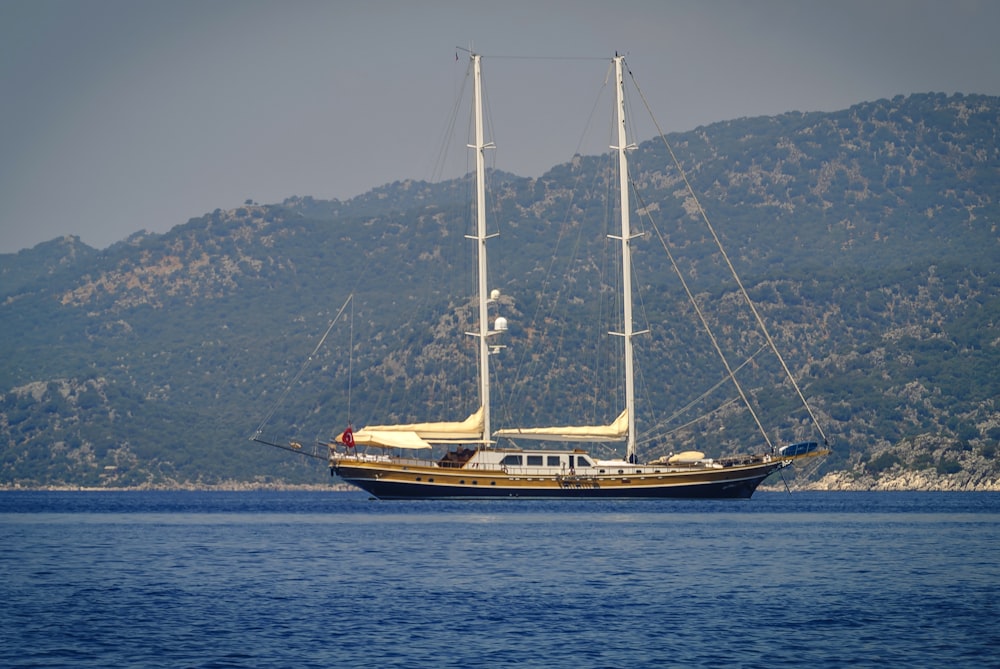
(616, 431)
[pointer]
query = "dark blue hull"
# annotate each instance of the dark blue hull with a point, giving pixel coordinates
(396, 490)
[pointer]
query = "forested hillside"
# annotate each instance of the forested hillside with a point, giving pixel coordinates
(868, 239)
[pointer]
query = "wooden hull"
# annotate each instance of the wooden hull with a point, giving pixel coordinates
(388, 480)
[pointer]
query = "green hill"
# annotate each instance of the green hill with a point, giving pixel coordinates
(867, 237)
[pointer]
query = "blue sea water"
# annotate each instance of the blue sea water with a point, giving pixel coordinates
(331, 579)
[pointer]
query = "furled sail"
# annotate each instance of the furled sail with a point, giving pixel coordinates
(422, 435)
(616, 431)
(407, 440)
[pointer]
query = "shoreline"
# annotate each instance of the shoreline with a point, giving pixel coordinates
(839, 481)
(815, 486)
(226, 487)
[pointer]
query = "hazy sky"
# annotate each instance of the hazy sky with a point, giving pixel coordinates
(123, 115)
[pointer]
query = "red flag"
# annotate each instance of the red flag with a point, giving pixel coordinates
(348, 437)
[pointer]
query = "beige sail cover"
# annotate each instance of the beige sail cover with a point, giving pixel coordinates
(471, 429)
(686, 457)
(407, 440)
(614, 432)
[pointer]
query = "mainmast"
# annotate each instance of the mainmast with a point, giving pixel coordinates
(626, 239)
(480, 237)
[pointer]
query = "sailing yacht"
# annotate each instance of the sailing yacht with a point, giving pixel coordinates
(393, 461)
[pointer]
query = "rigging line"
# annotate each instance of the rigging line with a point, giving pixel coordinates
(698, 399)
(806, 473)
(547, 303)
(644, 384)
(708, 328)
(607, 361)
(449, 131)
(701, 417)
(350, 364)
(544, 301)
(782, 475)
(593, 110)
(302, 369)
(494, 57)
(732, 269)
(292, 449)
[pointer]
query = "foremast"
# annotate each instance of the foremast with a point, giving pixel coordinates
(626, 241)
(480, 238)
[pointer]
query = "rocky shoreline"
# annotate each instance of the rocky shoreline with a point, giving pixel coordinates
(912, 481)
(232, 486)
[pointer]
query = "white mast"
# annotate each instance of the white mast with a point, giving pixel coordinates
(480, 148)
(626, 239)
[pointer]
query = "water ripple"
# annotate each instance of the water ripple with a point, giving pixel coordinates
(323, 580)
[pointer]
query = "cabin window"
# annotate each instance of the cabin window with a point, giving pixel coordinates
(534, 460)
(582, 461)
(512, 460)
(553, 460)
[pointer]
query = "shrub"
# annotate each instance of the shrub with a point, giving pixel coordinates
(883, 462)
(946, 466)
